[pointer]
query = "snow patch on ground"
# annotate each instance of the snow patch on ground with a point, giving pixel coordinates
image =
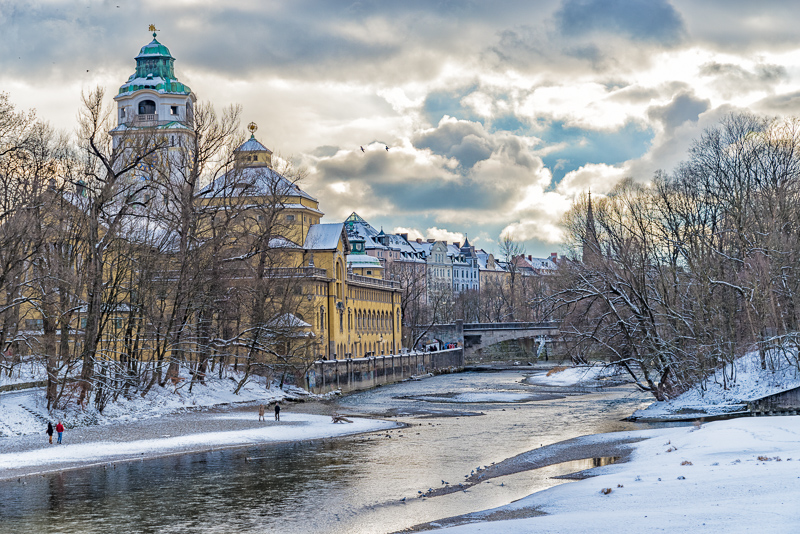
(735, 476)
(293, 427)
(572, 376)
(720, 394)
(25, 412)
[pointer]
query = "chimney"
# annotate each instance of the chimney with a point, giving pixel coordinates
(431, 241)
(529, 257)
(457, 244)
(553, 256)
(419, 240)
(404, 236)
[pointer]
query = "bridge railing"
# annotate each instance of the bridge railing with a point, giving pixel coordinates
(511, 326)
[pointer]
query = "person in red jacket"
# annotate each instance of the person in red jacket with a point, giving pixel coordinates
(60, 430)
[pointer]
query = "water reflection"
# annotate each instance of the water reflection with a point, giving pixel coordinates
(348, 485)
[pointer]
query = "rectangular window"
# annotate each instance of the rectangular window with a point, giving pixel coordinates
(290, 217)
(173, 110)
(34, 324)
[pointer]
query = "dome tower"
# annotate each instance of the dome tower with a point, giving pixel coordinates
(153, 97)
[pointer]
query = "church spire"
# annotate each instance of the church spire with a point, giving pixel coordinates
(591, 245)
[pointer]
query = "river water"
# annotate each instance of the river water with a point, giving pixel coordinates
(348, 485)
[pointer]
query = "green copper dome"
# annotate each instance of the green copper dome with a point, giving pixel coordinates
(154, 48)
(154, 70)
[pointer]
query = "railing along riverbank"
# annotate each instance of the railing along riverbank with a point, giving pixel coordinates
(364, 373)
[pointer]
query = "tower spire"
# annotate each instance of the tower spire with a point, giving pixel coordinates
(591, 245)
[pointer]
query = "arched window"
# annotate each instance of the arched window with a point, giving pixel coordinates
(147, 107)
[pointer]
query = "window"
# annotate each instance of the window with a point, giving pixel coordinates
(147, 107)
(369, 272)
(290, 217)
(173, 110)
(34, 324)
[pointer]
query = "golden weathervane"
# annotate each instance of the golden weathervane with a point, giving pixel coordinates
(252, 127)
(152, 28)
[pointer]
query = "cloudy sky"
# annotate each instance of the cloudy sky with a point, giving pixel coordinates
(497, 114)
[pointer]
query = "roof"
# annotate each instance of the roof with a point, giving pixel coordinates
(253, 145)
(154, 49)
(154, 70)
(359, 261)
(288, 320)
(324, 236)
(254, 181)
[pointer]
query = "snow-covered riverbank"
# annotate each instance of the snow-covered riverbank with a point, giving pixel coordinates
(171, 435)
(169, 420)
(737, 476)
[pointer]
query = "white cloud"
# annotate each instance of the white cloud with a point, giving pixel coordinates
(440, 234)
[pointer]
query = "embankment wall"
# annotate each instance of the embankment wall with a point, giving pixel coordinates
(364, 373)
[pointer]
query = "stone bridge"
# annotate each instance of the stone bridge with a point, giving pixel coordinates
(477, 337)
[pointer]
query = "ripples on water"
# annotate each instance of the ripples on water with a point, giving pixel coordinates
(348, 485)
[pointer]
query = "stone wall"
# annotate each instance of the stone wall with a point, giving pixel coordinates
(365, 373)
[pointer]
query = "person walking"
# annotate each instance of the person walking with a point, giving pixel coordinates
(277, 411)
(60, 430)
(50, 431)
(261, 412)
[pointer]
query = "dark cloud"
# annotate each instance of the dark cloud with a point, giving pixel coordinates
(736, 80)
(641, 20)
(683, 107)
(325, 151)
(785, 104)
(469, 142)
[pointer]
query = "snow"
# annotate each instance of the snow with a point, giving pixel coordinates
(29, 371)
(25, 412)
(734, 476)
(718, 394)
(323, 236)
(299, 427)
(572, 376)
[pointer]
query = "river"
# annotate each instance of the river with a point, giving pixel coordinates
(346, 485)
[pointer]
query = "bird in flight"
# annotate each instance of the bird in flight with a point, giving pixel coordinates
(387, 148)
(362, 149)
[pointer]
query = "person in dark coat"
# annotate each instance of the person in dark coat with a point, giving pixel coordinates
(60, 430)
(277, 411)
(50, 431)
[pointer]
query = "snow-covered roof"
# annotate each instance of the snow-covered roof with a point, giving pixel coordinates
(282, 242)
(253, 145)
(359, 261)
(324, 236)
(256, 181)
(288, 320)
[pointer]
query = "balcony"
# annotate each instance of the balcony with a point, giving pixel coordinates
(373, 282)
(146, 119)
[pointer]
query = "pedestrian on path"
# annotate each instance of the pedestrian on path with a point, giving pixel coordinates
(50, 431)
(277, 411)
(261, 411)
(60, 430)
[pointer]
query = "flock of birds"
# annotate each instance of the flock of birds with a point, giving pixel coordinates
(475, 471)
